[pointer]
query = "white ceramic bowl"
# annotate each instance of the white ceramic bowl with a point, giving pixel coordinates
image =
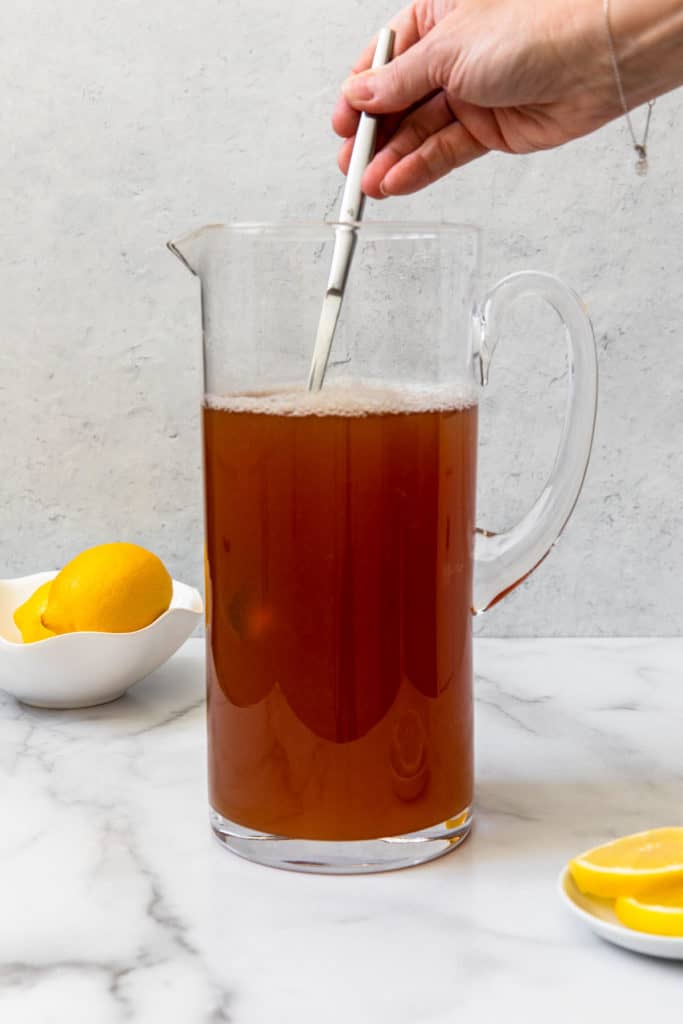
(599, 916)
(80, 670)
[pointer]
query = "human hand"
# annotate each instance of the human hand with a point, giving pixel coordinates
(471, 76)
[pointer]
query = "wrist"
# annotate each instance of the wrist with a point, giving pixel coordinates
(648, 42)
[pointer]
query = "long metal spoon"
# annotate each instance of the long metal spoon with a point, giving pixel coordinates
(351, 212)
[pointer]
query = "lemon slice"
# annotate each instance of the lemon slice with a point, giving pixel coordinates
(632, 865)
(657, 913)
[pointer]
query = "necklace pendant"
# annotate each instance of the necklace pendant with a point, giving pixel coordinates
(641, 163)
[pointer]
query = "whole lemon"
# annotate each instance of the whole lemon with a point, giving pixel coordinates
(28, 615)
(112, 588)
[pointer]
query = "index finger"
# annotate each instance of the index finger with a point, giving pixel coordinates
(405, 25)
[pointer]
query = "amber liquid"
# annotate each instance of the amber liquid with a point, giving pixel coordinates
(339, 580)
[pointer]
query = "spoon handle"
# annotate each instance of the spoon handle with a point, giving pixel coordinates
(366, 136)
(345, 236)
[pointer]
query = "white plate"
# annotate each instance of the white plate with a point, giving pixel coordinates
(79, 670)
(600, 917)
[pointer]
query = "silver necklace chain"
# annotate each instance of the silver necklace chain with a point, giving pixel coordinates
(640, 148)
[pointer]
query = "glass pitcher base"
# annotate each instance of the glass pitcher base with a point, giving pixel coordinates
(343, 858)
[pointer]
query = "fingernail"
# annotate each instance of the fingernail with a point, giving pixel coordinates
(358, 88)
(383, 188)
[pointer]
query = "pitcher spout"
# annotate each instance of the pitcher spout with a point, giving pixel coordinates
(190, 248)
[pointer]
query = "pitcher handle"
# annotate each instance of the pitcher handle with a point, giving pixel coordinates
(504, 560)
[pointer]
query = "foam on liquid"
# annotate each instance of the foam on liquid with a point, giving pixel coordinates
(351, 399)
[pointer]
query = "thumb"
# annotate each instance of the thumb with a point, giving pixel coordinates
(404, 81)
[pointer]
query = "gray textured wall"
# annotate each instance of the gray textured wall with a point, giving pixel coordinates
(124, 124)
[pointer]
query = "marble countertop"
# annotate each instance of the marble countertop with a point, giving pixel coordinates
(117, 905)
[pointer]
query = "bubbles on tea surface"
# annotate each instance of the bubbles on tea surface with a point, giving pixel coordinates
(351, 398)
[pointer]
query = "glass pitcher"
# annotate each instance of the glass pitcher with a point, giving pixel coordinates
(343, 565)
